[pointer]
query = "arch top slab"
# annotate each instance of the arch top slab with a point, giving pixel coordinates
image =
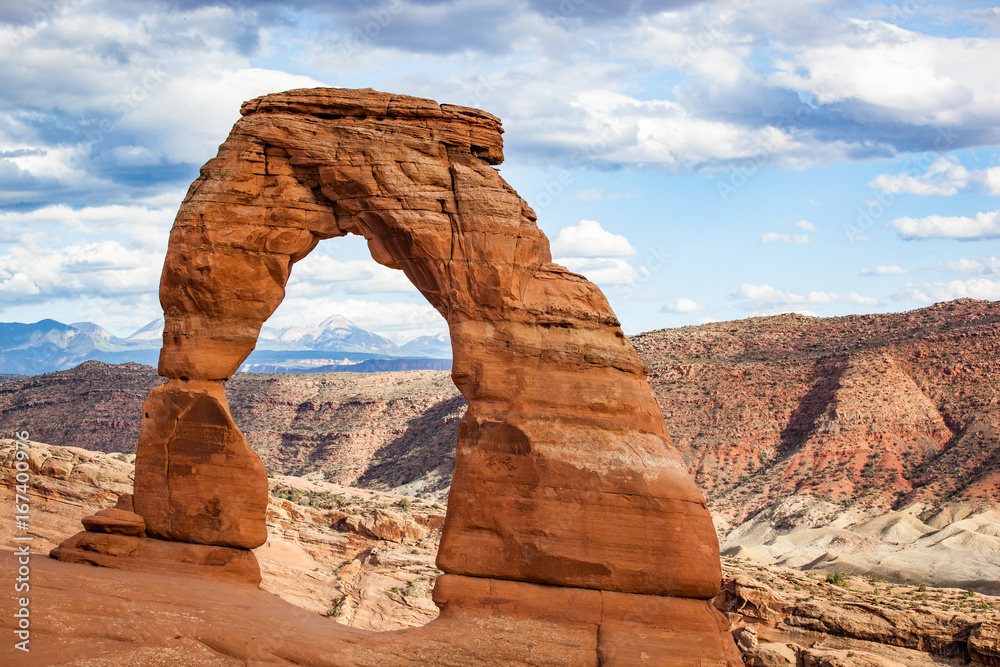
(565, 473)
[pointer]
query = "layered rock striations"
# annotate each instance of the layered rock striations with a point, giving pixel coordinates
(877, 411)
(564, 476)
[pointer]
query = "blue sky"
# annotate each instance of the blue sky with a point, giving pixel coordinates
(700, 161)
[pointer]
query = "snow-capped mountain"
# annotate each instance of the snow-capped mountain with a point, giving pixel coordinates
(434, 347)
(334, 334)
(48, 345)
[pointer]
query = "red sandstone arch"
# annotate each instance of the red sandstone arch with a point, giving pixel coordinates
(565, 475)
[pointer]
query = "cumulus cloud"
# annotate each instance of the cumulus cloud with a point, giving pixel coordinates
(601, 270)
(944, 177)
(589, 239)
(317, 274)
(900, 74)
(933, 292)
(983, 226)
(592, 251)
(884, 271)
(681, 305)
(767, 299)
(105, 269)
(775, 237)
(983, 267)
(108, 104)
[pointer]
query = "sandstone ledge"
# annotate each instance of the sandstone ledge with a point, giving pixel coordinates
(144, 554)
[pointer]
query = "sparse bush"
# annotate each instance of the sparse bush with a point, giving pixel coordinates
(837, 579)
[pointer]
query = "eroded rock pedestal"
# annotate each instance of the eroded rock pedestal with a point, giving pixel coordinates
(566, 485)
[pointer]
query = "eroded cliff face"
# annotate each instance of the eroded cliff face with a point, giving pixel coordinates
(877, 411)
(564, 472)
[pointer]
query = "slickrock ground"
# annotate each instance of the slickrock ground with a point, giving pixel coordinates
(362, 557)
(365, 559)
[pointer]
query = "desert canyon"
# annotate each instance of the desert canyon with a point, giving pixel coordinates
(535, 511)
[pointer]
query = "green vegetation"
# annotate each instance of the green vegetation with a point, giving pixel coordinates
(318, 499)
(837, 579)
(337, 608)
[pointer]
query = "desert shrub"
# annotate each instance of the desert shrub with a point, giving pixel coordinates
(837, 579)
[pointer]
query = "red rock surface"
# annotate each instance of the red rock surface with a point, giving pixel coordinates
(196, 478)
(146, 555)
(313, 560)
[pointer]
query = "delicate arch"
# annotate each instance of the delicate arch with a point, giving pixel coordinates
(564, 475)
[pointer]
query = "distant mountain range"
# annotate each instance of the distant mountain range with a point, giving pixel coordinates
(335, 344)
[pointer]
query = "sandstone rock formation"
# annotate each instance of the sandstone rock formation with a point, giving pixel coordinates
(782, 617)
(565, 475)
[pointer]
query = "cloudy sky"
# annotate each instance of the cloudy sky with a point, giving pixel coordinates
(698, 160)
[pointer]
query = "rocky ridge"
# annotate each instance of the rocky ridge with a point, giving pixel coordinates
(879, 411)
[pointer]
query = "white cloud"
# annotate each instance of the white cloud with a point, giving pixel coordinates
(600, 270)
(318, 273)
(861, 238)
(146, 225)
(884, 271)
(982, 267)
(589, 239)
(771, 299)
(991, 177)
(775, 237)
(109, 79)
(944, 177)
(983, 226)
(681, 305)
(104, 269)
(933, 292)
(806, 225)
(904, 75)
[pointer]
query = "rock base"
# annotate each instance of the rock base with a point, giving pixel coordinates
(116, 538)
(145, 554)
(589, 626)
(98, 615)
